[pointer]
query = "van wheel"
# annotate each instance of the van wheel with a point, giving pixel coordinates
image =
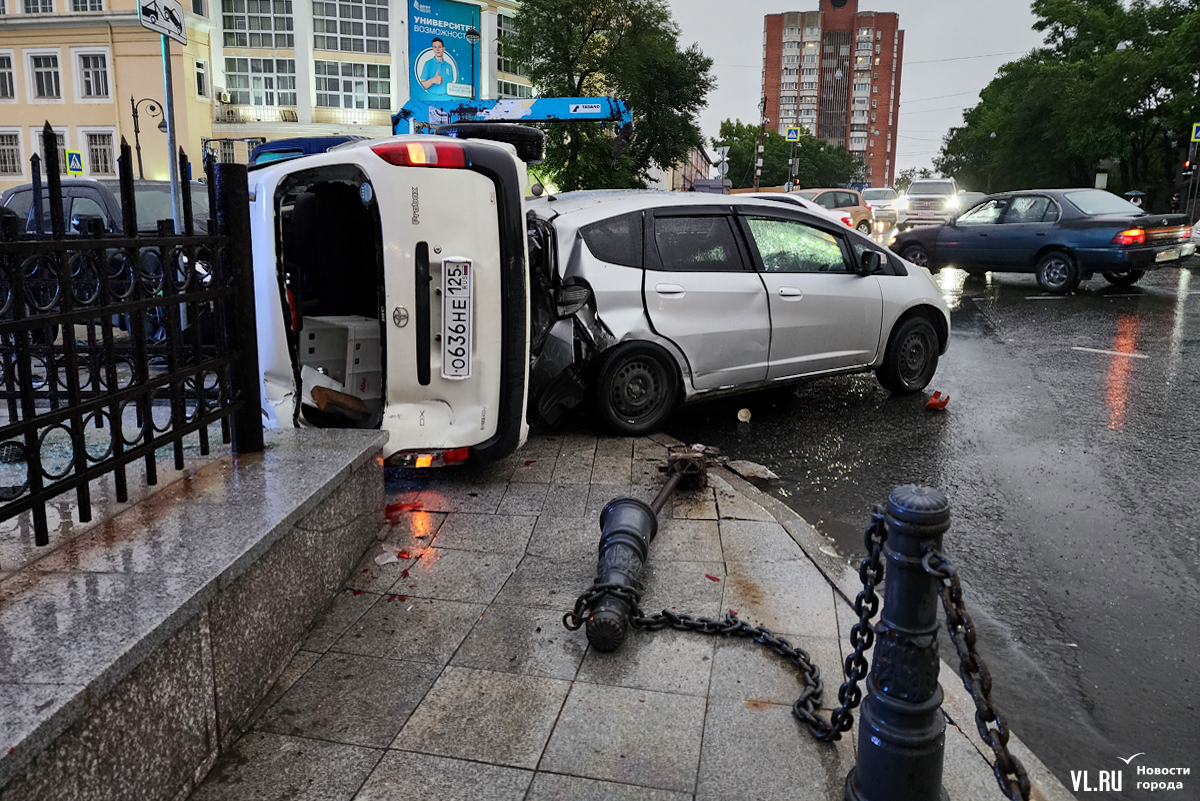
(636, 388)
(529, 142)
(1124, 278)
(1057, 273)
(911, 358)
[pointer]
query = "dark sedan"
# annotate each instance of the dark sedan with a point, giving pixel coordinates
(1063, 236)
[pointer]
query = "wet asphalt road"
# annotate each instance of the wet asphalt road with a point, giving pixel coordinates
(1073, 477)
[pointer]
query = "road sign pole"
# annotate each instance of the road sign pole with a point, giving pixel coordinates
(169, 110)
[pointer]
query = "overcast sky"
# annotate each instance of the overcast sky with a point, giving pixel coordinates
(933, 94)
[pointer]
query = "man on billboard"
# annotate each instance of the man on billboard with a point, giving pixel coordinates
(437, 73)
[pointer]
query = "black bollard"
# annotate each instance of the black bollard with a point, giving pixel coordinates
(902, 734)
(627, 527)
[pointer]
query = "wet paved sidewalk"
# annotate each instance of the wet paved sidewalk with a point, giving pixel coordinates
(447, 673)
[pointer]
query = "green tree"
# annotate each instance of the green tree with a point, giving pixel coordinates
(908, 175)
(620, 48)
(1116, 82)
(820, 164)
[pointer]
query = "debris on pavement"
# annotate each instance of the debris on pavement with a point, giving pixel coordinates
(938, 401)
(386, 558)
(744, 415)
(747, 469)
(711, 578)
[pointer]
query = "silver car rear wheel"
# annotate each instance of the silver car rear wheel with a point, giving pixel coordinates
(636, 388)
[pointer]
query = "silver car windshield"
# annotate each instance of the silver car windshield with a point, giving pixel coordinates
(879, 194)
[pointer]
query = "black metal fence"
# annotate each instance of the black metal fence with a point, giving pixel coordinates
(114, 344)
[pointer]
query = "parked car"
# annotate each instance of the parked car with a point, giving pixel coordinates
(794, 199)
(930, 200)
(280, 149)
(844, 200)
(882, 200)
(102, 197)
(392, 293)
(650, 299)
(1063, 236)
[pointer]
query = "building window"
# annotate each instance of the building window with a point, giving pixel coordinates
(351, 26)
(877, 76)
(46, 83)
(202, 89)
(100, 154)
(506, 31)
(790, 71)
(810, 59)
(791, 45)
(60, 140)
(261, 81)
(10, 154)
(354, 86)
(862, 87)
(874, 103)
(878, 35)
(93, 72)
(87, 5)
(226, 153)
(511, 89)
(809, 71)
(199, 8)
(39, 6)
(257, 23)
(8, 89)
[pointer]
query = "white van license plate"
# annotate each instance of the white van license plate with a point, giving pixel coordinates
(456, 318)
(1167, 255)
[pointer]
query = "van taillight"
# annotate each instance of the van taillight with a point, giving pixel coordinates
(1133, 236)
(422, 154)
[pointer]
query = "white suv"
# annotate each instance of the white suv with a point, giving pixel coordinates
(392, 292)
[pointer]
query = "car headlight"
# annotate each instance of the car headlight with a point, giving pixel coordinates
(892, 239)
(900, 204)
(951, 204)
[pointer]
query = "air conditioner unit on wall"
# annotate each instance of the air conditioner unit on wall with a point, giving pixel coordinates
(223, 97)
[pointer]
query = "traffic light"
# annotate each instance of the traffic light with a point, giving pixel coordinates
(1189, 169)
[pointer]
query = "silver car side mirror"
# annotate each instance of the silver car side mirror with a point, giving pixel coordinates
(869, 264)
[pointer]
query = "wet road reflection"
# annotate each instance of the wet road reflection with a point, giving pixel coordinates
(1070, 454)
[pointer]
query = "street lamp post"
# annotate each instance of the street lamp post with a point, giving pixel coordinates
(154, 110)
(473, 36)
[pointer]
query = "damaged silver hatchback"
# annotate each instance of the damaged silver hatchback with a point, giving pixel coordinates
(641, 301)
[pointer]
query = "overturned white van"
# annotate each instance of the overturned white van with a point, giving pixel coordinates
(392, 292)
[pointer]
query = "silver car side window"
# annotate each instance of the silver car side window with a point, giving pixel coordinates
(788, 246)
(697, 244)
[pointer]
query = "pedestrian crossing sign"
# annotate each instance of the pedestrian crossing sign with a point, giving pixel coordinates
(74, 162)
(1196, 131)
(793, 134)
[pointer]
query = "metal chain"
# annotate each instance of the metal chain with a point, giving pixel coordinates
(862, 636)
(1010, 773)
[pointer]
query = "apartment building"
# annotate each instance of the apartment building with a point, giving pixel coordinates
(835, 72)
(252, 70)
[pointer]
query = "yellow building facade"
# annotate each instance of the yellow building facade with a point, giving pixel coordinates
(252, 70)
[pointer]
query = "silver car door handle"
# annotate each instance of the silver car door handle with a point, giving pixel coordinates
(790, 292)
(669, 290)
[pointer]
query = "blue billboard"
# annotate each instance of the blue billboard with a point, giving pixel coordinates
(443, 65)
